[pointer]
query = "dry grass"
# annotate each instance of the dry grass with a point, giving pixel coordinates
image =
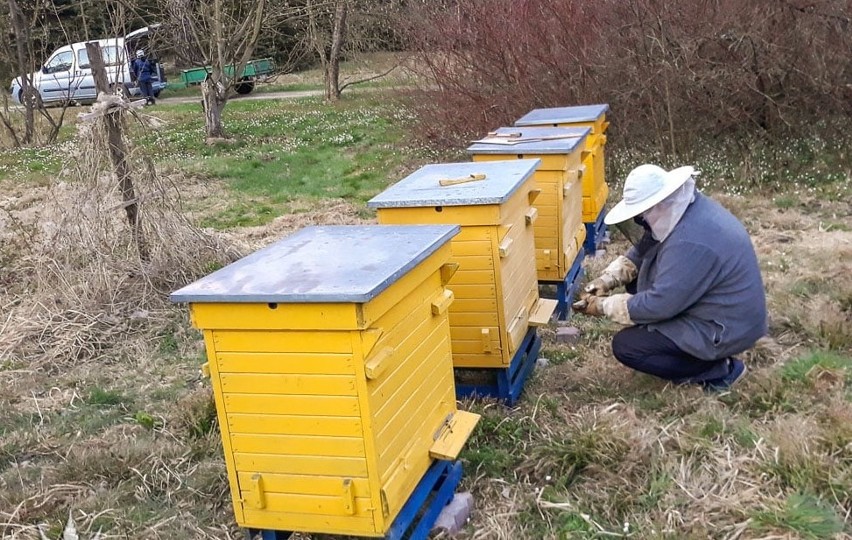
(104, 412)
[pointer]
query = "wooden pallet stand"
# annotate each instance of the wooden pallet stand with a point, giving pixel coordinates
(596, 235)
(567, 289)
(419, 513)
(505, 384)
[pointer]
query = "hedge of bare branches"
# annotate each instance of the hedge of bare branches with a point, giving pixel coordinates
(671, 70)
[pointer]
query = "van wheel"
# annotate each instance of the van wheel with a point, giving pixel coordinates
(32, 97)
(244, 87)
(157, 93)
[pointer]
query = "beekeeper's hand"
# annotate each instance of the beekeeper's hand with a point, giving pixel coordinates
(619, 272)
(588, 304)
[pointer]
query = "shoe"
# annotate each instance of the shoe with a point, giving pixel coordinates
(737, 370)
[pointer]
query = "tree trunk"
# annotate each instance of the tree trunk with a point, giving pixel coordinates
(213, 97)
(22, 41)
(118, 153)
(338, 37)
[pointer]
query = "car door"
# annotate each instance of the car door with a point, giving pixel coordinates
(114, 61)
(57, 76)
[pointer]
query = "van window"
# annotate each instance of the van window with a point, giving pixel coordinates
(59, 62)
(110, 54)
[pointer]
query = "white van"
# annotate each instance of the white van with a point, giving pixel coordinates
(66, 76)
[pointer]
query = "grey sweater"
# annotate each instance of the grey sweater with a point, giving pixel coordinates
(701, 286)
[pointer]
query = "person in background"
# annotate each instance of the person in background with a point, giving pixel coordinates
(143, 70)
(694, 295)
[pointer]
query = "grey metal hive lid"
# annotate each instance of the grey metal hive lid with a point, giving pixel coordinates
(532, 140)
(560, 115)
(422, 187)
(334, 264)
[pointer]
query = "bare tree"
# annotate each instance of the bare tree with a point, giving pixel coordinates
(224, 34)
(338, 28)
(118, 154)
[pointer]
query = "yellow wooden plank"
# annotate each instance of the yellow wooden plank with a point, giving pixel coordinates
(274, 316)
(486, 214)
(286, 363)
(479, 290)
(289, 521)
(495, 361)
(388, 398)
(433, 404)
(298, 445)
(463, 347)
(473, 319)
(547, 210)
(307, 465)
(222, 416)
(265, 383)
(549, 162)
(411, 324)
(427, 271)
(280, 341)
(471, 277)
(279, 424)
(453, 437)
(306, 484)
(325, 505)
(471, 248)
(542, 312)
(475, 305)
(550, 223)
(471, 263)
(292, 405)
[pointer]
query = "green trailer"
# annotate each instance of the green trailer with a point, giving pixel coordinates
(255, 70)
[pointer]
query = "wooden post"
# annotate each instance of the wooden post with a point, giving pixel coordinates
(118, 152)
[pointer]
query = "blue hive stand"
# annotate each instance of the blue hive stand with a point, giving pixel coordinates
(417, 516)
(510, 381)
(596, 235)
(567, 289)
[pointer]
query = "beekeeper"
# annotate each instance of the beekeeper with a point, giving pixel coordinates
(694, 296)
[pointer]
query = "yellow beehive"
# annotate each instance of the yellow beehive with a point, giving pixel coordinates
(595, 189)
(496, 287)
(559, 229)
(329, 355)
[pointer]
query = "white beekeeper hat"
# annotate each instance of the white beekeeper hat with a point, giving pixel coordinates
(140, 53)
(647, 185)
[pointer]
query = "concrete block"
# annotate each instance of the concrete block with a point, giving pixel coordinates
(568, 334)
(454, 516)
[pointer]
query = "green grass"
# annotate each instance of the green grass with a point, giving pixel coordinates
(287, 151)
(801, 369)
(805, 515)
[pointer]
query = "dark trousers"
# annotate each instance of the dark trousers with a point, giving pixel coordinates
(147, 90)
(651, 352)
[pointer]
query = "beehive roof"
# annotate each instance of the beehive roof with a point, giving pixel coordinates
(423, 188)
(562, 115)
(532, 140)
(332, 264)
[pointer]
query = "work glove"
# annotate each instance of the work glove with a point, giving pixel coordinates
(619, 272)
(588, 304)
(613, 307)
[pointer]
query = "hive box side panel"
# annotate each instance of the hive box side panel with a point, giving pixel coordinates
(475, 315)
(294, 430)
(224, 428)
(518, 279)
(572, 210)
(414, 393)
